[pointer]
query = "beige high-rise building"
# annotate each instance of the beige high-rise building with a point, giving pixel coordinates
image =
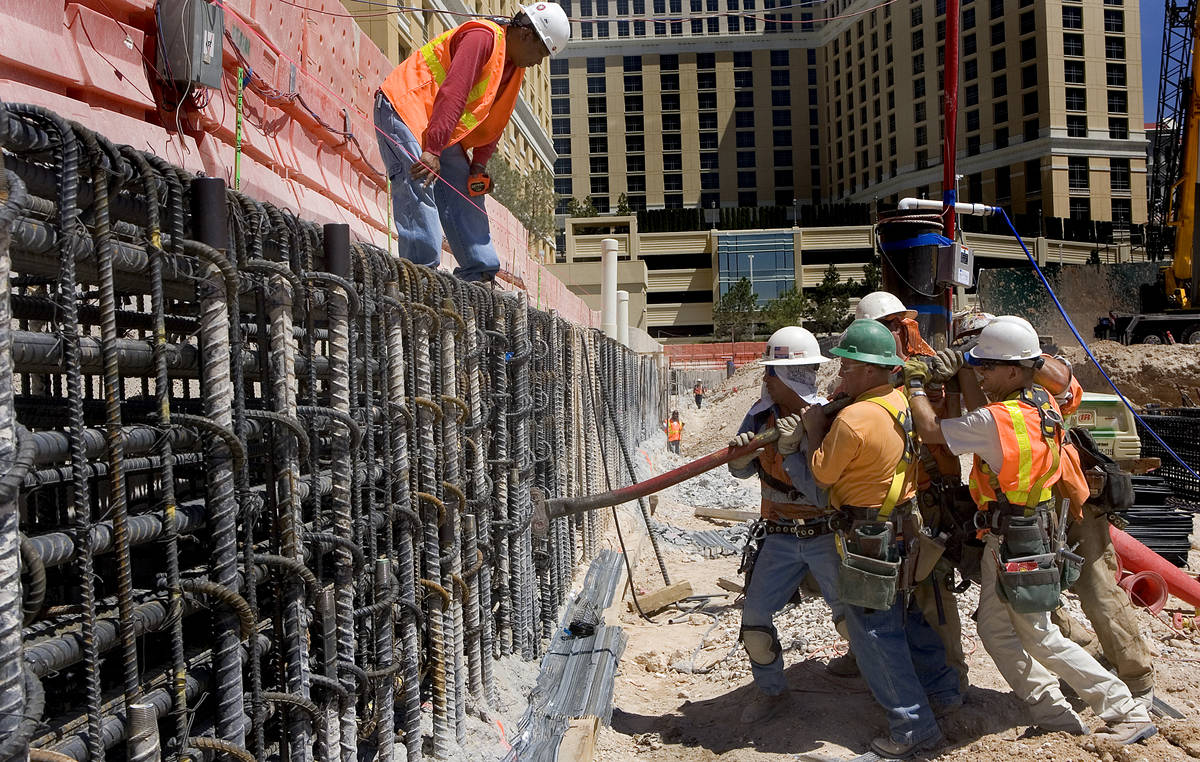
(526, 143)
(742, 103)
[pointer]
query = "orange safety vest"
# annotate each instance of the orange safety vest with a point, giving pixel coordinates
(413, 86)
(770, 464)
(1031, 440)
(674, 430)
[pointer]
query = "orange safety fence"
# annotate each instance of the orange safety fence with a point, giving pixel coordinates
(713, 355)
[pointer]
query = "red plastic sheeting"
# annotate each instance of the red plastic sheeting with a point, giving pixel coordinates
(66, 56)
(714, 356)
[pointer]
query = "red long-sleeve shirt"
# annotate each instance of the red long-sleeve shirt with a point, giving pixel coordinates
(469, 51)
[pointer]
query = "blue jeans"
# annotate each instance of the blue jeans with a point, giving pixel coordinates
(904, 663)
(781, 565)
(423, 214)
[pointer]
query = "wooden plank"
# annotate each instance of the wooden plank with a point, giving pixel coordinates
(1139, 466)
(579, 740)
(730, 585)
(663, 597)
(725, 514)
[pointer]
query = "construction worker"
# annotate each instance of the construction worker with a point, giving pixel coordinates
(900, 320)
(1107, 606)
(453, 95)
(1017, 441)
(864, 459)
(698, 392)
(674, 429)
(793, 535)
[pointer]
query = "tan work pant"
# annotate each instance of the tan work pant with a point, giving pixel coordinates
(1032, 654)
(1107, 606)
(950, 632)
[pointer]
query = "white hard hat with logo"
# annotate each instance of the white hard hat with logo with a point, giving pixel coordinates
(552, 25)
(793, 345)
(1007, 338)
(881, 304)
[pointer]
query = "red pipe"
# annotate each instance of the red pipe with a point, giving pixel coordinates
(1146, 589)
(1136, 557)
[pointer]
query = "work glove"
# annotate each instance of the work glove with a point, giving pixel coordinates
(946, 363)
(745, 460)
(791, 431)
(916, 374)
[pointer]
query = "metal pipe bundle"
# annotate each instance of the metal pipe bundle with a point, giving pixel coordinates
(283, 476)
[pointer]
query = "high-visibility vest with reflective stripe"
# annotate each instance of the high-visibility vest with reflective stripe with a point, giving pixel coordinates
(1032, 460)
(413, 86)
(674, 430)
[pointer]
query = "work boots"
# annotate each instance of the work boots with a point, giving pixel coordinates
(1126, 733)
(1057, 717)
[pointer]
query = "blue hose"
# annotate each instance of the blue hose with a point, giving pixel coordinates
(1082, 343)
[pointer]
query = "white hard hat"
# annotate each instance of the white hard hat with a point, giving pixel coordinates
(1008, 338)
(792, 345)
(551, 23)
(881, 304)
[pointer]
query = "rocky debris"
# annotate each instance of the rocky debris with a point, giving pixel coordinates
(1145, 373)
(710, 542)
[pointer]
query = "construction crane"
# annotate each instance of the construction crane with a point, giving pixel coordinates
(1170, 308)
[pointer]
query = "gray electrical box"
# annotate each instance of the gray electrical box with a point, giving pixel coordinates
(956, 265)
(191, 40)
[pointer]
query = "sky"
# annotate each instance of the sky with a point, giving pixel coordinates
(1152, 26)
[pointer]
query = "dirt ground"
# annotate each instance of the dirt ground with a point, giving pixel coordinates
(1145, 373)
(684, 679)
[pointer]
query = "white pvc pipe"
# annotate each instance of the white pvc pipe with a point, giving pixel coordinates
(978, 210)
(623, 317)
(608, 287)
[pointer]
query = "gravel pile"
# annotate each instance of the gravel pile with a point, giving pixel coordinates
(710, 543)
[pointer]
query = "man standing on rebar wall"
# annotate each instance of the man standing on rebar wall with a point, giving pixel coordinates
(455, 94)
(793, 535)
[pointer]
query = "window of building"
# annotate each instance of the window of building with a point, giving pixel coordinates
(781, 118)
(1073, 45)
(968, 45)
(562, 166)
(706, 80)
(781, 97)
(671, 122)
(998, 60)
(968, 18)
(706, 61)
(918, 39)
(562, 146)
(1081, 209)
(1118, 129)
(1029, 49)
(709, 140)
(710, 160)
(745, 159)
(561, 105)
(1118, 102)
(1077, 126)
(635, 163)
(560, 86)
(973, 146)
(922, 158)
(1077, 173)
(918, 113)
(743, 99)
(1029, 103)
(670, 101)
(635, 123)
(1027, 23)
(919, 87)
(1114, 20)
(744, 139)
(1122, 212)
(595, 65)
(1030, 130)
(997, 33)
(972, 120)
(639, 29)
(999, 86)
(1114, 48)
(743, 118)
(920, 135)
(706, 100)
(598, 165)
(633, 103)
(710, 180)
(734, 22)
(1000, 112)
(918, 63)
(562, 186)
(781, 137)
(559, 67)
(635, 143)
(622, 28)
(743, 59)
(747, 179)
(1073, 72)
(783, 78)
(633, 83)
(1119, 175)
(635, 183)
(595, 84)
(668, 62)
(672, 142)
(1001, 137)
(996, 9)
(1029, 76)
(1072, 17)
(669, 81)
(560, 126)
(672, 162)
(599, 185)
(598, 144)
(1033, 176)
(707, 121)
(1076, 98)
(743, 80)
(780, 58)
(1115, 74)
(970, 69)
(916, 15)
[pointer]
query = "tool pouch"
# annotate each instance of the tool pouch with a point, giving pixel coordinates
(1025, 544)
(930, 550)
(870, 570)
(751, 549)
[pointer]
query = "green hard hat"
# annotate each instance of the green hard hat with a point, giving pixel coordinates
(868, 341)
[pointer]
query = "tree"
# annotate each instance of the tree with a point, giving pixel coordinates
(872, 277)
(830, 303)
(529, 197)
(583, 208)
(734, 314)
(623, 207)
(789, 308)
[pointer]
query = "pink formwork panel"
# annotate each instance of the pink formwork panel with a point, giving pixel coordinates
(35, 41)
(105, 47)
